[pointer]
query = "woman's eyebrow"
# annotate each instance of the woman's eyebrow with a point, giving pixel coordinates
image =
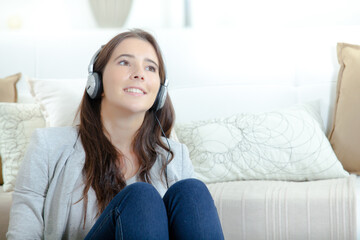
(132, 56)
(124, 55)
(151, 61)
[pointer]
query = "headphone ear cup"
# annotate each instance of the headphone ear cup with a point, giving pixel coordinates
(94, 85)
(160, 98)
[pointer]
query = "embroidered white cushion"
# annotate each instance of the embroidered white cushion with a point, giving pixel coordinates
(17, 123)
(287, 144)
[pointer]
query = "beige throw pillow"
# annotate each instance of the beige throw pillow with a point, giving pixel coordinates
(345, 133)
(8, 88)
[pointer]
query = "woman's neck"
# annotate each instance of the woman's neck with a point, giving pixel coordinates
(121, 132)
(120, 129)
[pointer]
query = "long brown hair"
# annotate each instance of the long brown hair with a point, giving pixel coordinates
(101, 170)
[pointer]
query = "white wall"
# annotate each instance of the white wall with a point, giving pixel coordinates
(243, 13)
(70, 14)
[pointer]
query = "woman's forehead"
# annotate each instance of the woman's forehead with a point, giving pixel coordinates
(136, 47)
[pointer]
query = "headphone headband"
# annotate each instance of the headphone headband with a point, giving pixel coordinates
(93, 59)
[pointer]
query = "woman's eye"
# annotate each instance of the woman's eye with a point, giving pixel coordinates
(123, 63)
(151, 68)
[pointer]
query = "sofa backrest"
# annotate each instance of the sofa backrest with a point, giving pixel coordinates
(212, 72)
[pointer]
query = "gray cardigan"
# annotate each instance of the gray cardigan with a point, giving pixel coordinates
(46, 179)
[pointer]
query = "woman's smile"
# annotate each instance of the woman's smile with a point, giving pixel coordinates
(135, 91)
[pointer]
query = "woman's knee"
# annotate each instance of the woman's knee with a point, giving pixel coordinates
(142, 188)
(188, 186)
(191, 211)
(141, 199)
(137, 206)
(190, 183)
(138, 192)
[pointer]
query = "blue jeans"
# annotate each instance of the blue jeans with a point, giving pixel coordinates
(187, 211)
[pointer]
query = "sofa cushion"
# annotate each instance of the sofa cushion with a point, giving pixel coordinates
(345, 134)
(8, 94)
(287, 144)
(59, 99)
(324, 209)
(17, 123)
(8, 88)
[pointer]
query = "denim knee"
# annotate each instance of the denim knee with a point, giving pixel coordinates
(138, 192)
(188, 186)
(137, 206)
(191, 211)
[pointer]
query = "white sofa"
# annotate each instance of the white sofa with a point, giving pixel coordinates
(218, 73)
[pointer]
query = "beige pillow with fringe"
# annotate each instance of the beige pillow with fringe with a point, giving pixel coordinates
(8, 88)
(345, 133)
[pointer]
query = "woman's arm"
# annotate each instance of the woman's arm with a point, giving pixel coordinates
(187, 167)
(26, 215)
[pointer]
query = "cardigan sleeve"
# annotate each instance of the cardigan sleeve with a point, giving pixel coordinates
(187, 167)
(26, 215)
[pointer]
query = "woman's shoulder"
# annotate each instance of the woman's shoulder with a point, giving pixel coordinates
(50, 146)
(57, 134)
(58, 130)
(180, 166)
(180, 150)
(175, 146)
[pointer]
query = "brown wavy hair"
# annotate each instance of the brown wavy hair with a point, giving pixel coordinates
(101, 170)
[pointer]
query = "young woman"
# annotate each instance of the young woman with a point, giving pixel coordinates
(116, 175)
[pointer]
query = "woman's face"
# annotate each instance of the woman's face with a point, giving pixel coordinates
(131, 78)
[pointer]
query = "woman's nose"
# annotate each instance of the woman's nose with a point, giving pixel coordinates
(138, 76)
(137, 73)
